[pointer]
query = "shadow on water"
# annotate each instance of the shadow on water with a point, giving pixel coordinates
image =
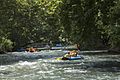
(5, 72)
(7, 59)
(102, 66)
(105, 66)
(99, 53)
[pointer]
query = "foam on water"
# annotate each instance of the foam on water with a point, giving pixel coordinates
(27, 63)
(52, 69)
(75, 71)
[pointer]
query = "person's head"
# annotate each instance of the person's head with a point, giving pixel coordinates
(74, 52)
(31, 47)
(68, 52)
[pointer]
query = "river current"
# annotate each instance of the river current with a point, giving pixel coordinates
(44, 66)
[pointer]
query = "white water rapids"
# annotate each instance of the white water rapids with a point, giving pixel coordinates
(24, 66)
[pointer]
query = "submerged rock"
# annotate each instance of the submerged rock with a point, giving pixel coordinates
(2, 52)
(116, 50)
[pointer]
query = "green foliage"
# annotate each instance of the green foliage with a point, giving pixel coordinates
(88, 22)
(91, 23)
(5, 44)
(27, 20)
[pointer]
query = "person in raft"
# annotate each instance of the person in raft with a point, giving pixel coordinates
(77, 46)
(31, 49)
(73, 53)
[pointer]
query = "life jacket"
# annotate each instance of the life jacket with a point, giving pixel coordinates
(31, 49)
(71, 54)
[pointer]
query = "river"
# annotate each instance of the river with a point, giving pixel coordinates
(44, 66)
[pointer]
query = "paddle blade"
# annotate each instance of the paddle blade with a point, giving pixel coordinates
(59, 58)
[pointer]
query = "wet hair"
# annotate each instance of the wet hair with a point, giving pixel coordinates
(68, 52)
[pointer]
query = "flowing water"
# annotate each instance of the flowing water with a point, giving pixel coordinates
(44, 66)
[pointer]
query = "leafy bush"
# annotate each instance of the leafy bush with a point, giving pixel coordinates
(5, 44)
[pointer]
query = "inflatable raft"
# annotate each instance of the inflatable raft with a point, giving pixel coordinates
(70, 58)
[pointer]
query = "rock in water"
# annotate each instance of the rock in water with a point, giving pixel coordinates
(2, 52)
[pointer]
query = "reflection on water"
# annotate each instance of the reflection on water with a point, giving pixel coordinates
(43, 66)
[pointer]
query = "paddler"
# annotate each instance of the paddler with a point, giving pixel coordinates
(71, 54)
(31, 49)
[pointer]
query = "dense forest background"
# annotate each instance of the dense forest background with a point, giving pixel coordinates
(94, 24)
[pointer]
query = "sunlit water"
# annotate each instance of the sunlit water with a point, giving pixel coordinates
(44, 66)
